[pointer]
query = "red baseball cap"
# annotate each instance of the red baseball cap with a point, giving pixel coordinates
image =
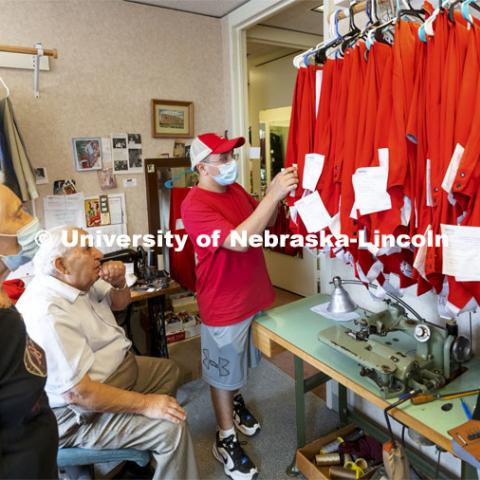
(208, 143)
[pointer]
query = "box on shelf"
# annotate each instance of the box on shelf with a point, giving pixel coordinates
(305, 457)
(181, 325)
(175, 337)
(185, 304)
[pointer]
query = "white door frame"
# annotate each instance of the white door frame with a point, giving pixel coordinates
(248, 15)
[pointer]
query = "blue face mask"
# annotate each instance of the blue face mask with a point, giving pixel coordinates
(228, 173)
(26, 238)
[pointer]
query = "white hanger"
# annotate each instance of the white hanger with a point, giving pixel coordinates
(7, 90)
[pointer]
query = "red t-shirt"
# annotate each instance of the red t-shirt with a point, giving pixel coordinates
(231, 286)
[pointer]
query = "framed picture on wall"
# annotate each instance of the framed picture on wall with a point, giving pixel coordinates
(87, 152)
(172, 119)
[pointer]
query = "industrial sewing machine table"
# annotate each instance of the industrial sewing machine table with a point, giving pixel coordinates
(295, 327)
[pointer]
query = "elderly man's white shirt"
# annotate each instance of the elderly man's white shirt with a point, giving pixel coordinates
(77, 330)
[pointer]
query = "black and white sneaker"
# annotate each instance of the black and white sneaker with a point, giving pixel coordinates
(236, 463)
(243, 419)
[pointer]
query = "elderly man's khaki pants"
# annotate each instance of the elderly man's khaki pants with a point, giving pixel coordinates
(170, 445)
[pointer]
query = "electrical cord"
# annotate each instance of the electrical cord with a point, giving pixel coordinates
(437, 467)
(403, 398)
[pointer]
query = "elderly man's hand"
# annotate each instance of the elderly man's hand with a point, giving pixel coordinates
(163, 407)
(114, 274)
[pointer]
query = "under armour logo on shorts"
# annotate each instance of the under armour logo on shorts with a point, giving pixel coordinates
(221, 365)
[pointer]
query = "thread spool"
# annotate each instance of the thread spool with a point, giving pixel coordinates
(332, 446)
(341, 473)
(358, 466)
(328, 459)
(357, 434)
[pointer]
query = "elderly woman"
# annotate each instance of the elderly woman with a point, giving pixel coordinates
(28, 428)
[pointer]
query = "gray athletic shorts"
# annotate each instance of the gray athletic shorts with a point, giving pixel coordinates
(227, 353)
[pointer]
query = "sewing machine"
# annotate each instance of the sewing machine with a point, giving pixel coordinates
(145, 266)
(398, 353)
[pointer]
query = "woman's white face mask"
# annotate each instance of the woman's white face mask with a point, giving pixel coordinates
(27, 239)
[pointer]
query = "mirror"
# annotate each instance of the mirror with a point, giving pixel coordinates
(273, 135)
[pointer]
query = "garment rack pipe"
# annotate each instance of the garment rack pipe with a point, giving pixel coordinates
(29, 50)
(359, 7)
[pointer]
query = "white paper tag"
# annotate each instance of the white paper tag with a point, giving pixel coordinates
(458, 260)
(293, 214)
(313, 212)
(318, 89)
(383, 158)
(421, 256)
(312, 170)
(179, 224)
(406, 211)
(429, 200)
(370, 186)
(452, 169)
(335, 225)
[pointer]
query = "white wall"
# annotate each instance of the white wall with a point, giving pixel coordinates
(114, 57)
(270, 86)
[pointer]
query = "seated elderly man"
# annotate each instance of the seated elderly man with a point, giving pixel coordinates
(102, 395)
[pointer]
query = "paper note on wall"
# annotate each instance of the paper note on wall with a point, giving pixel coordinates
(370, 186)
(313, 212)
(60, 210)
(459, 259)
(117, 214)
(312, 170)
(108, 237)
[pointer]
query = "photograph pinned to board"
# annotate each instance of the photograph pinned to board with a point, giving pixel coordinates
(104, 210)
(92, 212)
(178, 150)
(127, 153)
(64, 187)
(135, 154)
(87, 152)
(134, 140)
(120, 153)
(135, 160)
(107, 179)
(41, 177)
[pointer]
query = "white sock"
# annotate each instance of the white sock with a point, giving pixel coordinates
(226, 433)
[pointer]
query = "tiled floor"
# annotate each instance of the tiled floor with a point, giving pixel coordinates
(284, 360)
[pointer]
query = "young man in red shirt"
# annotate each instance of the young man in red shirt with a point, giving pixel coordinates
(232, 284)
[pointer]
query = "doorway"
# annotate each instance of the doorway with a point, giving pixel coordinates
(271, 45)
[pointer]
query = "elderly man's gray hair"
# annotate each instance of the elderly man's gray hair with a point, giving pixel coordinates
(53, 246)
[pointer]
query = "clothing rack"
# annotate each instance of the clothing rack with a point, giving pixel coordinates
(357, 8)
(29, 50)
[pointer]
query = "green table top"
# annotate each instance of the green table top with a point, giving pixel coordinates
(299, 326)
